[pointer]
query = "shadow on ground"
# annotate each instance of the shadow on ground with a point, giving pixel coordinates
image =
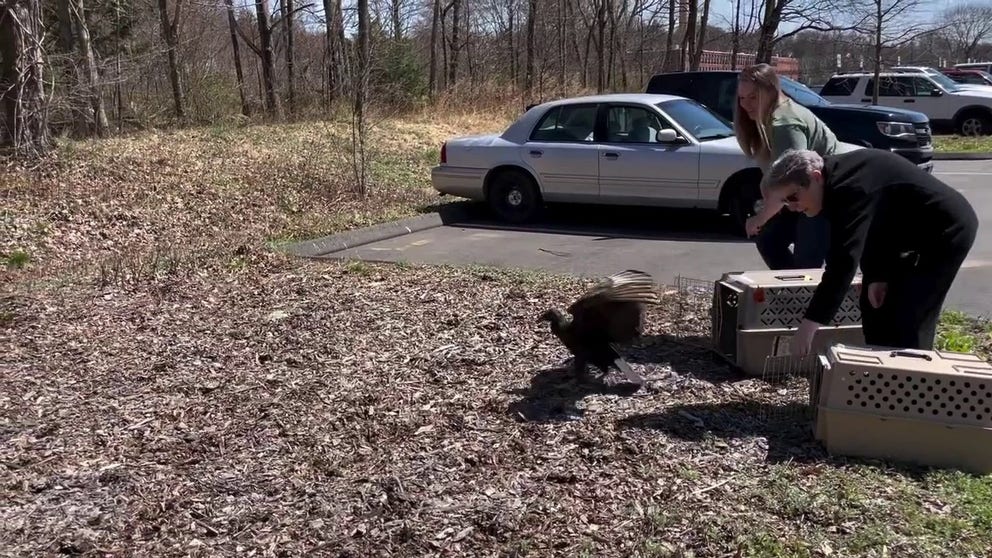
(603, 221)
(687, 355)
(553, 394)
(786, 427)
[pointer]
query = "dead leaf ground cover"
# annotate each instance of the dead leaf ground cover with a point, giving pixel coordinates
(285, 408)
(217, 399)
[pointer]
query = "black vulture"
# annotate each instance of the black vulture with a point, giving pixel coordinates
(609, 313)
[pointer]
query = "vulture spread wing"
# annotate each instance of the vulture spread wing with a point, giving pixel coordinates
(611, 311)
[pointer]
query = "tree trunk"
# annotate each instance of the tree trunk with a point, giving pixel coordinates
(435, 17)
(358, 129)
(170, 35)
(769, 26)
(529, 72)
(455, 47)
(561, 48)
(288, 16)
(22, 90)
(85, 49)
(238, 71)
(397, 23)
(272, 104)
(701, 41)
(879, 21)
(735, 40)
(670, 38)
(512, 48)
(600, 46)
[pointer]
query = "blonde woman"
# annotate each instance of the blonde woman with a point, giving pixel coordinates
(768, 123)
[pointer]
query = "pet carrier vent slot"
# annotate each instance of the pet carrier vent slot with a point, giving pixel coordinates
(922, 396)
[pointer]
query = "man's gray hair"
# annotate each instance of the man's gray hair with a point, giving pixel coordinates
(794, 167)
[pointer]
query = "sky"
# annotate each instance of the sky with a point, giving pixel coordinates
(722, 11)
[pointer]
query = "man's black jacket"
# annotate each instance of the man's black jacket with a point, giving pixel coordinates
(879, 206)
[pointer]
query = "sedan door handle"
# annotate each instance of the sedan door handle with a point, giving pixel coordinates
(866, 100)
(611, 155)
(909, 100)
(536, 153)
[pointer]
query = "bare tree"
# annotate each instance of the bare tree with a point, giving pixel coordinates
(264, 51)
(170, 33)
(76, 35)
(239, 73)
(805, 15)
(889, 24)
(968, 26)
(286, 7)
(22, 90)
(359, 125)
(531, 20)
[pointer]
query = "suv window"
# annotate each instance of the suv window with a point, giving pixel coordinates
(567, 123)
(901, 86)
(841, 86)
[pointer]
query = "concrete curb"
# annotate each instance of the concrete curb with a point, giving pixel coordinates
(350, 239)
(960, 156)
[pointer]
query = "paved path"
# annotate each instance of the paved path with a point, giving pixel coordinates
(596, 241)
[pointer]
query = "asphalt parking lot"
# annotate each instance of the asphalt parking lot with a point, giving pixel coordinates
(596, 241)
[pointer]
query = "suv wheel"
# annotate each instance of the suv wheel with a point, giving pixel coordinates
(513, 196)
(975, 123)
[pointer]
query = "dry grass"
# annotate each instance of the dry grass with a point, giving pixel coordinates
(214, 191)
(170, 387)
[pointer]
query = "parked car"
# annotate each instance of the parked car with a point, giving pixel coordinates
(986, 66)
(902, 131)
(948, 105)
(940, 77)
(618, 149)
(973, 77)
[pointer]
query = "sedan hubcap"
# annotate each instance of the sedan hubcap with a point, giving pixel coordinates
(514, 197)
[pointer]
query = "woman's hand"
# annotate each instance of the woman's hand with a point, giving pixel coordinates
(755, 222)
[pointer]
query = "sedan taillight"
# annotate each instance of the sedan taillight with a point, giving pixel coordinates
(444, 153)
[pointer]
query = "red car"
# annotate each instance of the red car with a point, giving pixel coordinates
(973, 77)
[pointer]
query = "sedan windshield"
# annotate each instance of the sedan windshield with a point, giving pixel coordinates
(699, 120)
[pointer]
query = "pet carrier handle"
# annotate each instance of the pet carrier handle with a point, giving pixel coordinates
(793, 277)
(910, 354)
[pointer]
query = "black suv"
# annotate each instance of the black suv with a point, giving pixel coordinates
(901, 131)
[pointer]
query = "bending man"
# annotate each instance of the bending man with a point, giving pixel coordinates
(909, 232)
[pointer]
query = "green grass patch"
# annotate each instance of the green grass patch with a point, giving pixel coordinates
(17, 259)
(982, 144)
(960, 333)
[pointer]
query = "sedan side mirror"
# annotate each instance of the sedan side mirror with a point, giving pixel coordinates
(936, 92)
(667, 135)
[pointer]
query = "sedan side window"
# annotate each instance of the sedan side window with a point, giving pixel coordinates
(567, 123)
(625, 124)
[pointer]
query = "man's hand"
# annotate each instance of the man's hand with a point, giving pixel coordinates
(876, 294)
(803, 338)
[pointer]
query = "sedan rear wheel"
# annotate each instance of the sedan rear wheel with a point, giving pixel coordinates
(742, 204)
(514, 196)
